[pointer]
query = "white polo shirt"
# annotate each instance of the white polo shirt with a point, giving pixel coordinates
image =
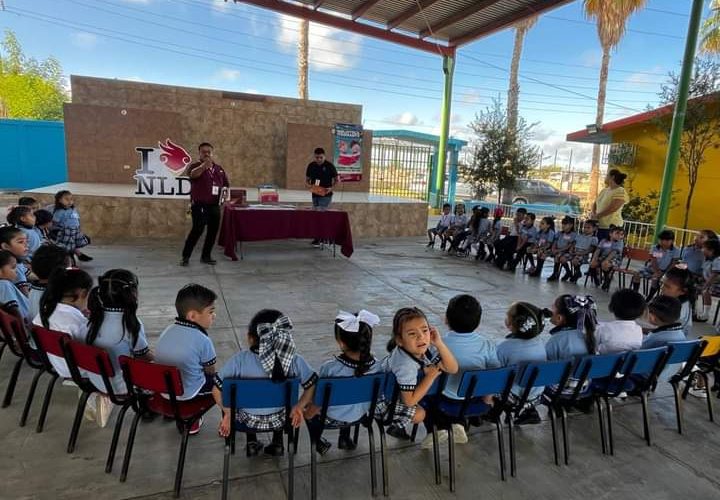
(70, 320)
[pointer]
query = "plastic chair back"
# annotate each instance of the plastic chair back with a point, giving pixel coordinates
(151, 376)
(90, 358)
(712, 346)
(600, 366)
(349, 390)
(542, 374)
(50, 341)
(644, 362)
(485, 382)
(681, 352)
(259, 393)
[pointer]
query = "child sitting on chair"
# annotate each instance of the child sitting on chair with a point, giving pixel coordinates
(353, 334)
(711, 276)
(23, 218)
(415, 346)
(562, 249)
(46, 260)
(607, 258)
(66, 226)
(680, 284)
(272, 354)
(663, 256)
(442, 225)
(187, 345)
(527, 238)
(622, 334)
(458, 224)
(664, 314)
(12, 300)
(15, 241)
(585, 244)
(543, 247)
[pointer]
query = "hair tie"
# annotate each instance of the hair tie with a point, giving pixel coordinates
(276, 342)
(351, 323)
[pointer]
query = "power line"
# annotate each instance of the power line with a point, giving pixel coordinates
(629, 30)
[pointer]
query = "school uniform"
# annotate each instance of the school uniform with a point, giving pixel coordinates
(11, 296)
(564, 242)
(65, 230)
(342, 366)
(67, 319)
(607, 247)
(711, 266)
(685, 319)
(585, 245)
(529, 234)
(473, 351)
(566, 342)
(406, 369)
(443, 224)
(187, 346)
(661, 336)
(22, 273)
(117, 342)
(694, 258)
(34, 238)
(618, 336)
(520, 352)
(36, 292)
(545, 239)
(247, 364)
(663, 258)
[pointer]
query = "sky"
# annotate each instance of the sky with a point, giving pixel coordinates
(236, 47)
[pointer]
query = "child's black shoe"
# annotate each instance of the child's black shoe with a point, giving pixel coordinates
(530, 416)
(253, 449)
(398, 432)
(275, 450)
(346, 443)
(322, 446)
(84, 257)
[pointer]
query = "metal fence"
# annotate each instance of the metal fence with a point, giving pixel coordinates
(400, 169)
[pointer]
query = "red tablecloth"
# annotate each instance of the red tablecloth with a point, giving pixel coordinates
(248, 224)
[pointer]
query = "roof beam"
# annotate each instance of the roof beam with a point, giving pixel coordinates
(317, 4)
(503, 23)
(320, 17)
(361, 9)
(457, 17)
(415, 9)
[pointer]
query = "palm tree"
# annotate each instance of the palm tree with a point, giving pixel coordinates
(711, 30)
(303, 47)
(521, 29)
(611, 17)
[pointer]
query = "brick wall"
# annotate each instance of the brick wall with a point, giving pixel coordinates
(249, 131)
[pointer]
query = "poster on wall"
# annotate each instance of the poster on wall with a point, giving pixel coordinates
(348, 151)
(162, 170)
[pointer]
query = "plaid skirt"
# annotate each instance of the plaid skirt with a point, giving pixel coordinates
(69, 238)
(271, 422)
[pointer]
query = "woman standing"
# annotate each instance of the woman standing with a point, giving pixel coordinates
(607, 209)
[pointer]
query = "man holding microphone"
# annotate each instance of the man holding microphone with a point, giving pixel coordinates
(207, 184)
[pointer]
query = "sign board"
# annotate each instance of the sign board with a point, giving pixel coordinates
(162, 170)
(348, 151)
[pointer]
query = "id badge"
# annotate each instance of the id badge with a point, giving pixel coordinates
(215, 190)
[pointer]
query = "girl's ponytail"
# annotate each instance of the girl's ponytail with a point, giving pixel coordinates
(63, 283)
(97, 315)
(355, 331)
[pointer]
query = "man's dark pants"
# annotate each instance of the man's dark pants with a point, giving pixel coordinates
(202, 215)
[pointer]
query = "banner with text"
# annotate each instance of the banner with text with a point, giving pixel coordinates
(348, 151)
(162, 170)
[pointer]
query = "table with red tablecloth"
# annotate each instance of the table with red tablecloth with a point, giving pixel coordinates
(258, 224)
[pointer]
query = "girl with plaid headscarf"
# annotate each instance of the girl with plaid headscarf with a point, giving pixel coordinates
(272, 354)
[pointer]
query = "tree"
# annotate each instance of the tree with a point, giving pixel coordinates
(303, 48)
(711, 30)
(701, 130)
(610, 17)
(521, 29)
(500, 155)
(29, 88)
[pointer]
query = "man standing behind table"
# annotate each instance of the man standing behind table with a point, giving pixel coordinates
(207, 181)
(320, 177)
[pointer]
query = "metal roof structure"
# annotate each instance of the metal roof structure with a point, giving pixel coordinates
(418, 137)
(437, 26)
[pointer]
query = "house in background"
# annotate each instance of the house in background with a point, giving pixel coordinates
(638, 147)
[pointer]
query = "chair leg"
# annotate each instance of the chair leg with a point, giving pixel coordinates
(711, 415)
(181, 458)
(511, 442)
(356, 435)
(565, 434)
(46, 403)
(232, 442)
(646, 418)
(30, 397)
(611, 441)
(116, 438)
(383, 458)
(451, 457)
(292, 450)
(601, 422)
(501, 446)
(313, 469)
(226, 470)
(2, 349)
(413, 433)
(553, 428)
(129, 447)
(436, 455)
(373, 464)
(678, 407)
(11, 383)
(82, 402)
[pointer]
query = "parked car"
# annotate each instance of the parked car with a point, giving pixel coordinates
(528, 191)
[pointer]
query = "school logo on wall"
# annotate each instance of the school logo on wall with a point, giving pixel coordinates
(162, 169)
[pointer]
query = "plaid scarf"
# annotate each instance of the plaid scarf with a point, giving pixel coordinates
(276, 342)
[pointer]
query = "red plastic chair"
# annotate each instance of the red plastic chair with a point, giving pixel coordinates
(48, 342)
(164, 384)
(81, 356)
(631, 254)
(15, 337)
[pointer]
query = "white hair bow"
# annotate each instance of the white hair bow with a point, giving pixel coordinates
(351, 323)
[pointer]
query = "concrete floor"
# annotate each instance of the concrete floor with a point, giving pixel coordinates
(310, 286)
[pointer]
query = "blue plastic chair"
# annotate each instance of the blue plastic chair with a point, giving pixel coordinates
(392, 395)
(260, 393)
(638, 377)
(474, 386)
(339, 391)
(601, 370)
(687, 352)
(552, 375)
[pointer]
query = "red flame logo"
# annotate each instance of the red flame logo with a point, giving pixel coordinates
(174, 156)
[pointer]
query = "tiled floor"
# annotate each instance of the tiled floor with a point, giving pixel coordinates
(310, 286)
